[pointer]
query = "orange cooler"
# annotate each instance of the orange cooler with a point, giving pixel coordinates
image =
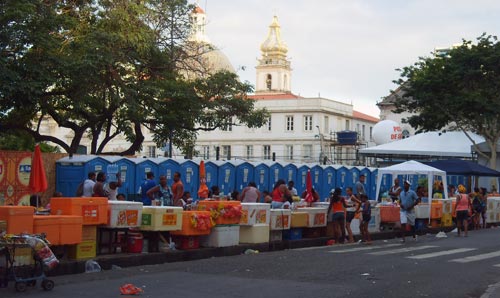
(390, 214)
(436, 210)
(70, 229)
(49, 225)
(19, 218)
(93, 210)
(89, 233)
(222, 212)
(195, 223)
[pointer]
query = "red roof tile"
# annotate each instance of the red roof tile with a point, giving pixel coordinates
(359, 115)
(198, 9)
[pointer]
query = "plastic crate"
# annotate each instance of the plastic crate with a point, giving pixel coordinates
(292, 234)
(187, 242)
(84, 250)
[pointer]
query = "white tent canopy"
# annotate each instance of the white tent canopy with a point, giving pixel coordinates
(449, 144)
(413, 168)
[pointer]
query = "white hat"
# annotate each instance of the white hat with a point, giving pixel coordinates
(408, 182)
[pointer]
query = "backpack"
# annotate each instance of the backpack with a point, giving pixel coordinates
(79, 190)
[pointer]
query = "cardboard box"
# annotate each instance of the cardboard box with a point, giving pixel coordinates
(84, 250)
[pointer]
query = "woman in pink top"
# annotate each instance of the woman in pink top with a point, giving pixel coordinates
(250, 194)
(462, 209)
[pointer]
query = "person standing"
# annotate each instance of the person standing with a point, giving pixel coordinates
(336, 207)
(366, 216)
(88, 185)
(161, 191)
(353, 205)
(145, 186)
(99, 189)
(177, 190)
(360, 186)
(250, 194)
(462, 209)
(111, 188)
(292, 189)
(395, 190)
(409, 200)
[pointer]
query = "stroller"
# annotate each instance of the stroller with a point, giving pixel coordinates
(26, 269)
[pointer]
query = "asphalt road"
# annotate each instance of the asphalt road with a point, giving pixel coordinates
(429, 267)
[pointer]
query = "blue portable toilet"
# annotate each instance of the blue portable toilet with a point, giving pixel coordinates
(317, 178)
(142, 166)
(276, 172)
(227, 178)
(244, 173)
(300, 184)
(168, 167)
(290, 173)
(261, 177)
(190, 176)
(126, 168)
(329, 174)
(373, 181)
(368, 181)
(212, 172)
(353, 177)
(71, 171)
(385, 183)
(343, 176)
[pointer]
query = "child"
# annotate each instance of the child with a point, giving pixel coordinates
(366, 213)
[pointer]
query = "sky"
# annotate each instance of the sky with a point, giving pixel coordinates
(346, 50)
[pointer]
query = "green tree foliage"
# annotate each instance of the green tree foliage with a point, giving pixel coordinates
(456, 90)
(103, 69)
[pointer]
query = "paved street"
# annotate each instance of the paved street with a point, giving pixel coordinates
(430, 267)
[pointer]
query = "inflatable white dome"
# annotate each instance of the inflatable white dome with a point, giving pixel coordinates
(386, 131)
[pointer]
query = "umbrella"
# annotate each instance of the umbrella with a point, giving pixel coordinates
(38, 179)
(309, 194)
(203, 190)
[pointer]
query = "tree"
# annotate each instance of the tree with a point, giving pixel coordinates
(108, 68)
(458, 90)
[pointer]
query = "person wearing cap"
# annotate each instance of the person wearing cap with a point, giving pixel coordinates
(145, 186)
(409, 200)
(360, 186)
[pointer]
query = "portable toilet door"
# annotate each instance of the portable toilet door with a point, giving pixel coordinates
(168, 167)
(69, 174)
(300, 185)
(290, 173)
(126, 168)
(373, 181)
(343, 178)
(317, 181)
(244, 174)
(261, 177)
(368, 181)
(96, 164)
(276, 172)
(190, 176)
(353, 177)
(143, 166)
(212, 172)
(328, 184)
(227, 178)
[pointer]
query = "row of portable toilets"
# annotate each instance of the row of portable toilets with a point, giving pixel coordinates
(232, 175)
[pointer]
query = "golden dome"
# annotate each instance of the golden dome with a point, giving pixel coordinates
(273, 43)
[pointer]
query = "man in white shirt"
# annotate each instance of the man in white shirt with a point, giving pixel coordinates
(88, 185)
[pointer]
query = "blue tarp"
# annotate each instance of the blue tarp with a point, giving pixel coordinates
(463, 167)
